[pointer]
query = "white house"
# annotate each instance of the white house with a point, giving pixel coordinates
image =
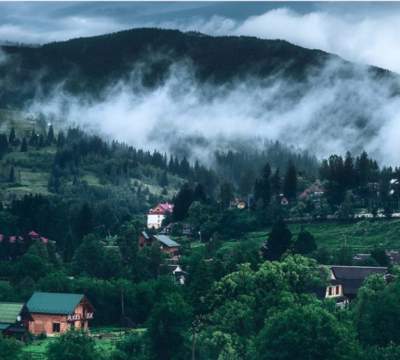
(157, 214)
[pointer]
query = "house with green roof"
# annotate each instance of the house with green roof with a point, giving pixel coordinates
(14, 319)
(54, 313)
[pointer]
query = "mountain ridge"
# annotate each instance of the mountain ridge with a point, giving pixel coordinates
(88, 65)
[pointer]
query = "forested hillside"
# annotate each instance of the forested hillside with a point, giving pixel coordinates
(89, 65)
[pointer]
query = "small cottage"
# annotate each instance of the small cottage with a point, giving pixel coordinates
(351, 278)
(167, 245)
(54, 313)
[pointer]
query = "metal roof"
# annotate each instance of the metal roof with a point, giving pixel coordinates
(53, 303)
(9, 312)
(166, 240)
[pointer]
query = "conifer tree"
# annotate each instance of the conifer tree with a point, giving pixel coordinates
(12, 137)
(290, 182)
(3, 145)
(278, 242)
(11, 176)
(50, 136)
(24, 145)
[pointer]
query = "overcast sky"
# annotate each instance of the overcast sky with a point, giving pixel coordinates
(361, 32)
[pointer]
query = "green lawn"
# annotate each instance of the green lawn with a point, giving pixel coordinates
(360, 236)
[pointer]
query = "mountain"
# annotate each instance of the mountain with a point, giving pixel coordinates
(88, 65)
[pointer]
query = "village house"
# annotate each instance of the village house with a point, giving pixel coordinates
(167, 245)
(238, 204)
(144, 239)
(156, 215)
(14, 319)
(345, 281)
(54, 313)
(313, 192)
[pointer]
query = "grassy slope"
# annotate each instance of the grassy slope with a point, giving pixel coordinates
(33, 169)
(361, 236)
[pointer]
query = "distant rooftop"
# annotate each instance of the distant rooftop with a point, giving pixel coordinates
(166, 240)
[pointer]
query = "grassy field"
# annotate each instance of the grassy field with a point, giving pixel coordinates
(361, 236)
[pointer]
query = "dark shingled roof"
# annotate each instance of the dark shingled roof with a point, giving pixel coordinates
(352, 277)
(53, 303)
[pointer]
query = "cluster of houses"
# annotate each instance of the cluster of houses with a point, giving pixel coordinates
(13, 246)
(55, 313)
(32, 236)
(168, 246)
(45, 313)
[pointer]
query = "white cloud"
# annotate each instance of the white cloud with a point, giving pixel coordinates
(332, 115)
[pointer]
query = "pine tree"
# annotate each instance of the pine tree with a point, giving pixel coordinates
(60, 139)
(182, 202)
(276, 182)
(225, 194)
(290, 182)
(262, 187)
(199, 193)
(11, 176)
(12, 137)
(348, 171)
(50, 136)
(278, 242)
(33, 138)
(305, 243)
(3, 145)
(40, 142)
(24, 145)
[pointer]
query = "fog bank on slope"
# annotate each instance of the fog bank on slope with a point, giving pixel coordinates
(330, 113)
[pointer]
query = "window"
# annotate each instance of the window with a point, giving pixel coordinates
(330, 292)
(337, 290)
(56, 327)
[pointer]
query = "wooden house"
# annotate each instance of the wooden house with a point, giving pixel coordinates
(54, 313)
(345, 281)
(167, 245)
(144, 239)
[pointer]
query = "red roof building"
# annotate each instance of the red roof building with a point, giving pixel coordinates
(157, 214)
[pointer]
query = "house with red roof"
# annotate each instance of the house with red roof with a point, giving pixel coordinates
(157, 214)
